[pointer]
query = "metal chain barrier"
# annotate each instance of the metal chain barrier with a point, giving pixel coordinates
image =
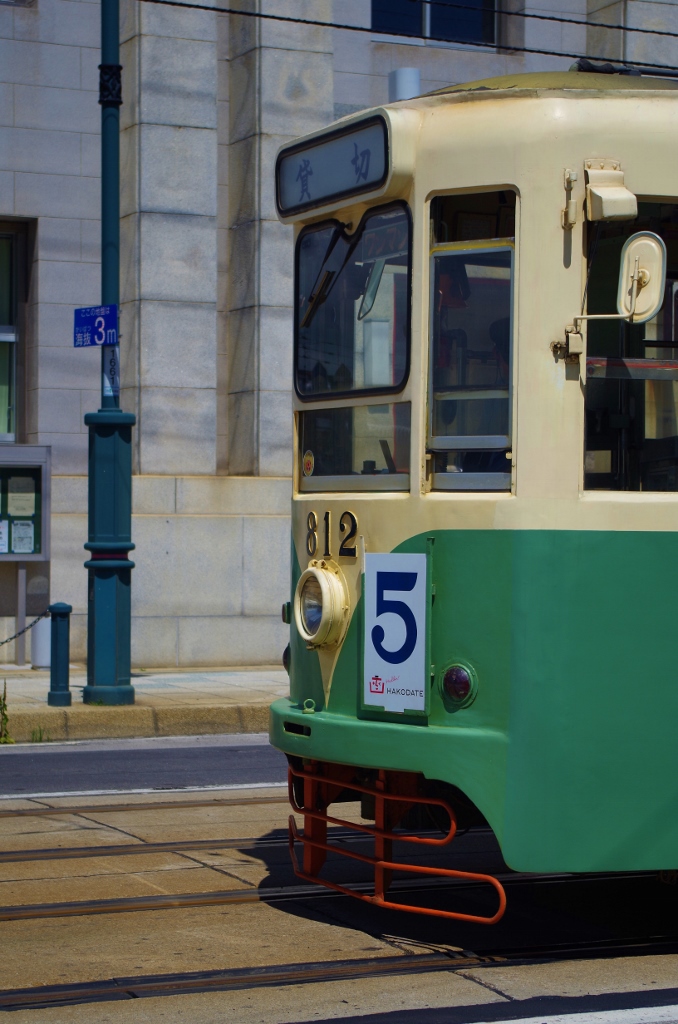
(26, 628)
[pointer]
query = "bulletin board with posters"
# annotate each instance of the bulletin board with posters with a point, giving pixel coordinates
(24, 503)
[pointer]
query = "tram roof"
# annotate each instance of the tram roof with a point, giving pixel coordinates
(414, 137)
(561, 81)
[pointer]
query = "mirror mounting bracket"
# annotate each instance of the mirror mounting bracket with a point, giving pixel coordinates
(571, 348)
(642, 278)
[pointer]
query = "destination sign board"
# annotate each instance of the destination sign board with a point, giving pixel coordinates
(340, 164)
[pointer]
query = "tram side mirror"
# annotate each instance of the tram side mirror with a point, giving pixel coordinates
(371, 288)
(642, 277)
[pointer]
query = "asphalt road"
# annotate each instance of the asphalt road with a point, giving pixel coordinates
(594, 1010)
(123, 765)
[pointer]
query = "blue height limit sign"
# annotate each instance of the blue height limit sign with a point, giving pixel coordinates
(95, 325)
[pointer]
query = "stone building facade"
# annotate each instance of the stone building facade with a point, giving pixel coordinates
(206, 272)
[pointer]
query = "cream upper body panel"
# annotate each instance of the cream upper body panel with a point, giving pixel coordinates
(519, 134)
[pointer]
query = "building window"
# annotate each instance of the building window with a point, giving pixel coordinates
(11, 248)
(472, 21)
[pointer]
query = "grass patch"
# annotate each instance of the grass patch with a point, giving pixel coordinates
(4, 718)
(39, 735)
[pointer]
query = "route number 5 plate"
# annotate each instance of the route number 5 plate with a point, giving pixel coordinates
(395, 632)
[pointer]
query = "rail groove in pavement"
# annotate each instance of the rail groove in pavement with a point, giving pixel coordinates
(30, 812)
(275, 894)
(178, 846)
(41, 997)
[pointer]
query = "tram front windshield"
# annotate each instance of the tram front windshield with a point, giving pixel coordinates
(352, 306)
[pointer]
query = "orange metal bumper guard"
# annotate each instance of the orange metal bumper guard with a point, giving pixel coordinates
(320, 790)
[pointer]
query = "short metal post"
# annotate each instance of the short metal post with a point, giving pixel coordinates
(59, 695)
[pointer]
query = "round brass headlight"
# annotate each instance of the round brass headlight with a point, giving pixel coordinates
(320, 605)
(311, 605)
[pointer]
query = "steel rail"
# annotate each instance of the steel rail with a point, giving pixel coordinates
(116, 989)
(30, 812)
(132, 849)
(275, 894)
(221, 980)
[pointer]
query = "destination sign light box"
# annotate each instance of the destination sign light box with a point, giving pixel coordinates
(334, 166)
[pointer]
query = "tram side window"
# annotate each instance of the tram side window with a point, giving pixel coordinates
(471, 333)
(631, 385)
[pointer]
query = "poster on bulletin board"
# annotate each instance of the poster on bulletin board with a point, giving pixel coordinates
(23, 537)
(21, 496)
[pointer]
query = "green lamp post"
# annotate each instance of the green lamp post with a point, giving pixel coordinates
(110, 429)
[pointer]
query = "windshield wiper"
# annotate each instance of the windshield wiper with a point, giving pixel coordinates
(327, 277)
(317, 298)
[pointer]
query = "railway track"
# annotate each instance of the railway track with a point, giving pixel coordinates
(155, 805)
(662, 939)
(179, 846)
(277, 894)
(268, 894)
(144, 986)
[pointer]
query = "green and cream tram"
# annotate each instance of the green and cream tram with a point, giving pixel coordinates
(485, 514)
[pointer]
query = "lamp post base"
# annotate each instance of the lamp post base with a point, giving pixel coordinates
(59, 699)
(108, 695)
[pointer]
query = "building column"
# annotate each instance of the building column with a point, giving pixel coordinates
(280, 86)
(168, 236)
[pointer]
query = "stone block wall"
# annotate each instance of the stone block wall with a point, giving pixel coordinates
(212, 556)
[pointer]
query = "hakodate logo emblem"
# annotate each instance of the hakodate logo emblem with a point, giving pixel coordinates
(308, 463)
(376, 684)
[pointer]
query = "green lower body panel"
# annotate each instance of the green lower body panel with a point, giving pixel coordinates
(479, 755)
(570, 747)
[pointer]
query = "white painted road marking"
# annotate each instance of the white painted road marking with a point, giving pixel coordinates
(642, 1015)
(144, 792)
(230, 739)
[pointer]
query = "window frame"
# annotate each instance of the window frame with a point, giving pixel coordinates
(5, 331)
(425, 32)
(352, 482)
(17, 232)
(336, 223)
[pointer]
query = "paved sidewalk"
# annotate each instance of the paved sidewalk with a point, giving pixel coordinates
(179, 703)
